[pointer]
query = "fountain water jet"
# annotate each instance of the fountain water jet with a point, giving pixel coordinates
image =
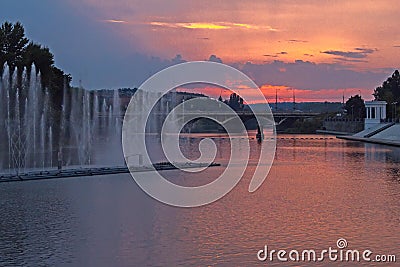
(34, 130)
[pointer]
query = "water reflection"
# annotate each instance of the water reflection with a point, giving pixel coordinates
(319, 189)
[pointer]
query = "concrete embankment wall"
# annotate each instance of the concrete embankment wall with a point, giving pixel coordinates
(343, 125)
(392, 133)
(389, 136)
(371, 130)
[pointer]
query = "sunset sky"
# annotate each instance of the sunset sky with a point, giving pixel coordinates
(319, 49)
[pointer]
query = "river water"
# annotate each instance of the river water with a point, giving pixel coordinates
(319, 189)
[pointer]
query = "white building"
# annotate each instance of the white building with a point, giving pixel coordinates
(376, 112)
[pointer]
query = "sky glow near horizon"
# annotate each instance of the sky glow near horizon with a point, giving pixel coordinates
(319, 49)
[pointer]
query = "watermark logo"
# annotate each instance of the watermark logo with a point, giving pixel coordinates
(340, 253)
(341, 243)
(140, 113)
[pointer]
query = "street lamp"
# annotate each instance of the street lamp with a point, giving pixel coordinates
(352, 112)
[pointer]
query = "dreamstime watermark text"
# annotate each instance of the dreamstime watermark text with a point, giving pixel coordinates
(339, 253)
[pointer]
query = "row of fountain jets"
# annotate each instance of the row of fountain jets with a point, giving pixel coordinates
(34, 133)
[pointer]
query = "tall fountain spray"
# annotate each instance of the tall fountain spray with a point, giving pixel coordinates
(34, 131)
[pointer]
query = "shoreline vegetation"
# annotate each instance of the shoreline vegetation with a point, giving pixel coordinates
(20, 54)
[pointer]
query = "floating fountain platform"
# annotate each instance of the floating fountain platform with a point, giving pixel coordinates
(94, 171)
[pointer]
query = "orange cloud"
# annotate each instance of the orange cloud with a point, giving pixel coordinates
(243, 31)
(211, 25)
(115, 21)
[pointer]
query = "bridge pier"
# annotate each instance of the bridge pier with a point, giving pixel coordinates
(59, 160)
(260, 133)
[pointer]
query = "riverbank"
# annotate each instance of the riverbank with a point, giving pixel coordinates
(370, 140)
(384, 134)
(332, 132)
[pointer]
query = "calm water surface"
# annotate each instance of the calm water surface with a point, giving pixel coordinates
(318, 190)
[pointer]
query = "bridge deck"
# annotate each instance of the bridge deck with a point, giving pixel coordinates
(94, 171)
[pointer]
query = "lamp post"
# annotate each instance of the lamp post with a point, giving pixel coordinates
(352, 112)
(394, 110)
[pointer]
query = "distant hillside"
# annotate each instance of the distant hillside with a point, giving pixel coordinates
(318, 107)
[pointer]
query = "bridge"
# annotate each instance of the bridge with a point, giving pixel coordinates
(295, 114)
(224, 117)
(244, 115)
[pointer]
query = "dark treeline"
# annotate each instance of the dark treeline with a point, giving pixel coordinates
(355, 107)
(19, 53)
(389, 91)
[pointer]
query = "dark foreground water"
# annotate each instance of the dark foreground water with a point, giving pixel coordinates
(317, 192)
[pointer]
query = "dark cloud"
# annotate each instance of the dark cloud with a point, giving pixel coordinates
(366, 50)
(203, 38)
(345, 54)
(276, 55)
(351, 60)
(308, 55)
(358, 53)
(214, 58)
(177, 59)
(296, 41)
(309, 75)
(397, 46)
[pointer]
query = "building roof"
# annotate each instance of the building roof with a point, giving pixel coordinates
(375, 103)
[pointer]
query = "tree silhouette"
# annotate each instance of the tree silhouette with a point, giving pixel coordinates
(355, 107)
(389, 91)
(235, 102)
(17, 53)
(40, 56)
(12, 44)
